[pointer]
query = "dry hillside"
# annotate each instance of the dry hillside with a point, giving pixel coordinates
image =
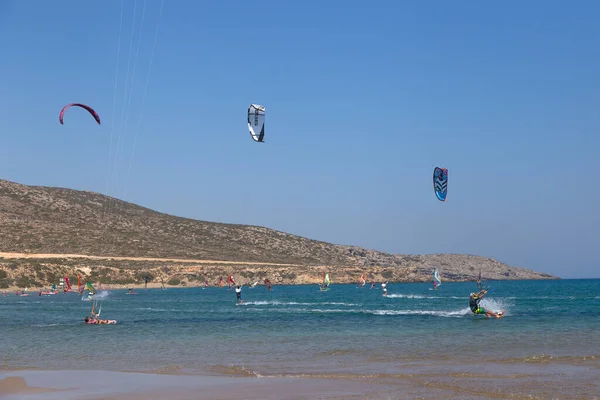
(47, 232)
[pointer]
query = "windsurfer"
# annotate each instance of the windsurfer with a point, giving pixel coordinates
(238, 294)
(474, 300)
(384, 288)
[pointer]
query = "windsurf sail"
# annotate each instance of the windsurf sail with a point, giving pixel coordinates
(256, 122)
(362, 280)
(162, 283)
(231, 281)
(326, 281)
(80, 284)
(68, 284)
(91, 288)
(436, 279)
(440, 183)
(268, 283)
(205, 282)
(221, 283)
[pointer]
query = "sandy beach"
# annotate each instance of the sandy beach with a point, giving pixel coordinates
(104, 385)
(545, 383)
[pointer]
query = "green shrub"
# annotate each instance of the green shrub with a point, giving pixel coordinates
(141, 276)
(173, 282)
(26, 281)
(387, 274)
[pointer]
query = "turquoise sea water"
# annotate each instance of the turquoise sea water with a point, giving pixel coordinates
(300, 330)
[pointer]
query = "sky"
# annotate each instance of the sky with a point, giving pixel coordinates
(363, 100)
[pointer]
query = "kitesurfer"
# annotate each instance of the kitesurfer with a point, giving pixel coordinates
(94, 320)
(474, 300)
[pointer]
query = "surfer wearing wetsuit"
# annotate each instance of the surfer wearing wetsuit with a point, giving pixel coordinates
(238, 294)
(474, 300)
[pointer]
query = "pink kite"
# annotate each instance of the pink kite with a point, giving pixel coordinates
(90, 110)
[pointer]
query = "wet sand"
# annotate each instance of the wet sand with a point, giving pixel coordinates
(16, 385)
(444, 382)
(105, 385)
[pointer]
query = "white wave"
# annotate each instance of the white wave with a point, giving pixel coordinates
(438, 313)
(100, 295)
(495, 304)
(294, 303)
(419, 296)
(407, 296)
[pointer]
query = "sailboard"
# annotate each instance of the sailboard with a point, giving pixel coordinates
(80, 284)
(91, 290)
(436, 279)
(325, 285)
(362, 280)
(268, 283)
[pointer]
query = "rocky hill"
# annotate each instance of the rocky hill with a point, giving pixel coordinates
(48, 232)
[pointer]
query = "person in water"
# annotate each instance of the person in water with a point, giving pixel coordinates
(94, 320)
(474, 300)
(238, 294)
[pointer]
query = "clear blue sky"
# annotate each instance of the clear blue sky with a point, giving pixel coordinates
(363, 100)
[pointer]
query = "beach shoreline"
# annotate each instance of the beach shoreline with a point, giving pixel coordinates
(109, 385)
(539, 381)
(31, 270)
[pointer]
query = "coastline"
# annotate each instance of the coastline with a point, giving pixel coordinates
(40, 271)
(108, 385)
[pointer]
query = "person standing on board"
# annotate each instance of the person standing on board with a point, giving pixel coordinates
(238, 294)
(384, 288)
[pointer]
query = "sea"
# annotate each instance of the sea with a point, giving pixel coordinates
(302, 331)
